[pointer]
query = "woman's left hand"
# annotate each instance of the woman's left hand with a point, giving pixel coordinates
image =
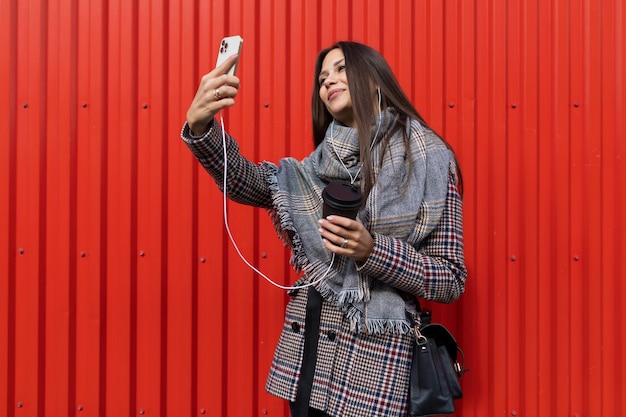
(346, 237)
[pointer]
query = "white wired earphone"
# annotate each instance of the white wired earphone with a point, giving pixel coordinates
(230, 235)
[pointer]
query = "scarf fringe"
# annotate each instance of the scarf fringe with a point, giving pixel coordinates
(375, 326)
(387, 326)
(342, 299)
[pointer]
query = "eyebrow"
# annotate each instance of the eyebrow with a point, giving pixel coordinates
(325, 72)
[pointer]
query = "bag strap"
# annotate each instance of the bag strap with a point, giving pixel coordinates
(309, 356)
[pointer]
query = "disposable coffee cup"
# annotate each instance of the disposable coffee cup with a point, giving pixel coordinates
(342, 199)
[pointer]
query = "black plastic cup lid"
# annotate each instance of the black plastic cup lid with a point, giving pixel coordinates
(342, 195)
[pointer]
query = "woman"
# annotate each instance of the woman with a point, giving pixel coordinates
(346, 345)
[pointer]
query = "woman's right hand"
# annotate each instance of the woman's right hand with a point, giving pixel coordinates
(217, 91)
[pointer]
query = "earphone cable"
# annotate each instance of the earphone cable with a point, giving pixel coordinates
(232, 239)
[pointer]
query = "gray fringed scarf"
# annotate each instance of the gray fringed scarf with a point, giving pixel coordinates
(391, 209)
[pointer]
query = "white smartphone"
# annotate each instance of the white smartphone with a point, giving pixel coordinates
(230, 45)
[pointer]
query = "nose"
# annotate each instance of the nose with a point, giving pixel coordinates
(330, 80)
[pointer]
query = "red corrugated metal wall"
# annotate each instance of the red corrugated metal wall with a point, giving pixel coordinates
(120, 294)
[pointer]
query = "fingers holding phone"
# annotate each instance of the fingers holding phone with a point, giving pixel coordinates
(218, 88)
(227, 61)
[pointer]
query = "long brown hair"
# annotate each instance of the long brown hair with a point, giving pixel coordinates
(365, 67)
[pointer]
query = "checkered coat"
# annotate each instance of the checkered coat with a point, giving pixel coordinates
(356, 374)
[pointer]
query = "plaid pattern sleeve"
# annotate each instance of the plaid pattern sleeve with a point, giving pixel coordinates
(436, 269)
(245, 180)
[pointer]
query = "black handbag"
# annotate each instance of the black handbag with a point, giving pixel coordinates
(435, 370)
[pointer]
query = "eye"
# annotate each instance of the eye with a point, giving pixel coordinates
(341, 68)
(321, 81)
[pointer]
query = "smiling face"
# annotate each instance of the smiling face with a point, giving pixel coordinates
(333, 87)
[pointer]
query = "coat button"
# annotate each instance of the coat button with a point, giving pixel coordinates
(295, 327)
(332, 335)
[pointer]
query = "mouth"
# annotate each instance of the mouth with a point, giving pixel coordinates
(334, 93)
